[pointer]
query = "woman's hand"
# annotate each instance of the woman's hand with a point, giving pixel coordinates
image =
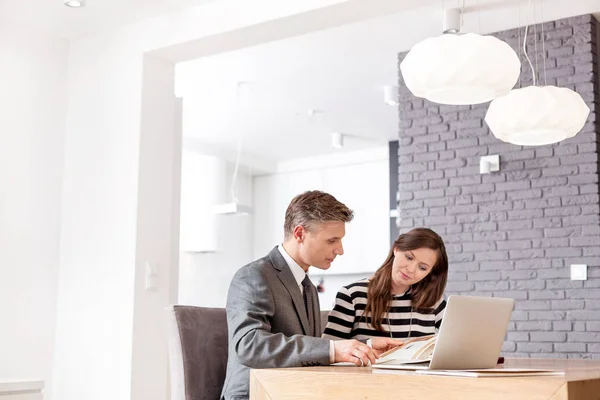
(381, 345)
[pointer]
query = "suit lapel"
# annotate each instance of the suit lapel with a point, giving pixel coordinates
(287, 278)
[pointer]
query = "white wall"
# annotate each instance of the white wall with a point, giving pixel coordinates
(33, 99)
(204, 277)
(203, 186)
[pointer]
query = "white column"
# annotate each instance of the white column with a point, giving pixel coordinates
(99, 223)
(156, 251)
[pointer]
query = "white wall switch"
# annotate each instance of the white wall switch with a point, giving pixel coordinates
(578, 272)
(489, 164)
(152, 273)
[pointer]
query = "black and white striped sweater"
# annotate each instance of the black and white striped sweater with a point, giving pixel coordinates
(346, 319)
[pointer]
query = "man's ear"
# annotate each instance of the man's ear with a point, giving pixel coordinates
(299, 233)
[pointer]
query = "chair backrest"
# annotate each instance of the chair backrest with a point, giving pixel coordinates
(324, 316)
(197, 352)
(197, 339)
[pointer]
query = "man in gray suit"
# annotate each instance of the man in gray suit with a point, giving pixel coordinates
(273, 308)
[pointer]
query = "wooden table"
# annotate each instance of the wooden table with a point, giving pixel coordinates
(19, 389)
(581, 381)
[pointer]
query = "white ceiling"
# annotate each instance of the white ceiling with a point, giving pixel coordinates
(338, 75)
(339, 72)
(54, 17)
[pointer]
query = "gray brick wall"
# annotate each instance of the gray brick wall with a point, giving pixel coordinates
(516, 232)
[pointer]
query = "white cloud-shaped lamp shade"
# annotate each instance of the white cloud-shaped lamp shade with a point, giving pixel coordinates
(536, 116)
(460, 69)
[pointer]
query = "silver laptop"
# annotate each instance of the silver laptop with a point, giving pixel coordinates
(470, 336)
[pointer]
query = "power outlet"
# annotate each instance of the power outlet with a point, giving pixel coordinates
(578, 272)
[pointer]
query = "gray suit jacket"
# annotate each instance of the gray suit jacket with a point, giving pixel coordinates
(266, 320)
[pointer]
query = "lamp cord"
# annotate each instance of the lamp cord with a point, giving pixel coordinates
(478, 18)
(525, 49)
(239, 144)
(519, 38)
(543, 41)
(535, 41)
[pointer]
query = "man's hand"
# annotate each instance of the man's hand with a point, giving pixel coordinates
(381, 345)
(354, 351)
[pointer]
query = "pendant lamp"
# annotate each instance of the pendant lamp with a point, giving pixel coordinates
(537, 115)
(460, 69)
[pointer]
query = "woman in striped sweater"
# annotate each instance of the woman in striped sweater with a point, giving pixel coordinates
(403, 299)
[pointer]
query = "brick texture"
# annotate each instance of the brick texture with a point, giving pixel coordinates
(515, 233)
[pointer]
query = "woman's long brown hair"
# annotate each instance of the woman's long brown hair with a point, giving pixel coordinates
(425, 293)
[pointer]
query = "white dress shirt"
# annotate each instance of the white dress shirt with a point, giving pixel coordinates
(296, 269)
(299, 275)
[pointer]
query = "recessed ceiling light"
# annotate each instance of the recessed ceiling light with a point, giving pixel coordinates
(337, 140)
(75, 3)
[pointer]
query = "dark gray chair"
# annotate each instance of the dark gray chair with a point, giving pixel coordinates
(197, 339)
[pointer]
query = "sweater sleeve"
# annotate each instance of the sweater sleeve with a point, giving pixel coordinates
(439, 310)
(341, 319)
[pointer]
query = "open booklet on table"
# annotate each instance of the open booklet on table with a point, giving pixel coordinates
(413, 351)
(415, 354)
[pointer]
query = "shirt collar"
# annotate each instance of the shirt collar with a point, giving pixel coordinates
(296, 269)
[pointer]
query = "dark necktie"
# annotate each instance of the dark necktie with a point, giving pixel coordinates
(309, 301)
